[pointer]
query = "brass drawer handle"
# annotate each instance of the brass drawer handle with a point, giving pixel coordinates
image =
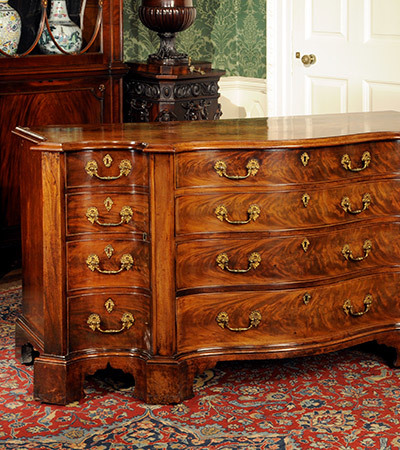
(126, 214)
(94, 321)
(253, 213)
(346, 205)
(223, 262)
(365, 158)
(348, 307)
(347, 253)
(223, 321)
(125, 168)
(252, 168)
(93, 262)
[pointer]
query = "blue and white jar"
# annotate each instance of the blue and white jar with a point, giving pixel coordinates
(10, 28)
(66, 33)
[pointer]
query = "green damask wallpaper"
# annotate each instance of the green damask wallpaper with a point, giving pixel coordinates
(230, 33)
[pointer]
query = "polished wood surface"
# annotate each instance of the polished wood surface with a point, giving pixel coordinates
(316, 268)
(54, 89)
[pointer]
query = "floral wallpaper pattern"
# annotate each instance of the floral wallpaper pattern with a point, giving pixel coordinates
(229, 33)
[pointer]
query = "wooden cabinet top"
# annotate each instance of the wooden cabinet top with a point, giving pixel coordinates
(277, 132)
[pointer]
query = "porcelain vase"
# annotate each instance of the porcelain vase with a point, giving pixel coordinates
(10, 28)
(65, 32)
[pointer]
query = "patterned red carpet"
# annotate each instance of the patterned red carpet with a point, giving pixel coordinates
(343, 400)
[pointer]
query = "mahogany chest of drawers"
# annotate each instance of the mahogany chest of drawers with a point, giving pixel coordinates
(161, 249)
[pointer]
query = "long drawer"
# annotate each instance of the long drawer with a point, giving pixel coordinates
(284, 166)
(287, 209)
(286, 259)
(287, 318)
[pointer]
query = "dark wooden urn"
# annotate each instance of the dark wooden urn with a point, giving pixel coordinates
(167, 17)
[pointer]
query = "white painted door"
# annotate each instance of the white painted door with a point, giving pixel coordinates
(356, 44)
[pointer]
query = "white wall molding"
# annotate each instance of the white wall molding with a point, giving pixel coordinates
(279, 57)
(243, 97)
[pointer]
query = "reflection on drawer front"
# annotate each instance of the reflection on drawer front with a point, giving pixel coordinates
(107, 167)
(202, 263)
(107, 263)
(281, 166)
(117, 321)
(241, 211)
(111, 212)
(276, 318)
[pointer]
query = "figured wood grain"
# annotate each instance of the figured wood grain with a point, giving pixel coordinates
(81, 277)
(284, 209)
(82, 337)
(77, 175)
(286, 320)
(175, 287)
(283, 259)
(79, 203)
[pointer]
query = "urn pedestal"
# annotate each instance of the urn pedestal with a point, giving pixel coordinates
(165, 93)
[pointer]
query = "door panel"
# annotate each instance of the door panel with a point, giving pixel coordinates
(356, 44)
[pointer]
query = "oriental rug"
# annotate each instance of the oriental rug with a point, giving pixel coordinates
(343, 400)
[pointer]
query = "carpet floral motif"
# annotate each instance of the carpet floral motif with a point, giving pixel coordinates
(343, 400)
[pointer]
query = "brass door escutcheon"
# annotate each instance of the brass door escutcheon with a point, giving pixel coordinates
(346, 205)
(348, 307)
(125, 168)
(253, 213)
(305, 199)
(305, 244)
(223, 321)
(366, 160)
(223, 262)
(305, 158)
(93, 262)
(306, 298)
(347, 253)
(94, 322)
(126, 214)
(252, 168)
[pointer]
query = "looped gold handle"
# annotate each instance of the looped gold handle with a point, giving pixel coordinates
(253, 214)
(347, 253)
(94, 321)
(346, 205)
(365, 158)
(93, 262)
(125, 168)
(223, 262)
(223, 321)
(348, 307)
(252, 168)
(126, 214)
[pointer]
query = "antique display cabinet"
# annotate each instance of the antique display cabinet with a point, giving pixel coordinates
(161, 249)
(78, 85)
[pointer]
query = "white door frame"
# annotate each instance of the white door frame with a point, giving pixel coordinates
(279, 57)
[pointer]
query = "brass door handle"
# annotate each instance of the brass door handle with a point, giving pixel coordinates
(93, 263)
(347, 253)
(307, 60)
(365, 159)
(94, 322)
(252, 214)
(252, 168)
(126, 214)
(125, 168)
(223, 321)
(346, 205)
(223, 262)
(348, 307)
